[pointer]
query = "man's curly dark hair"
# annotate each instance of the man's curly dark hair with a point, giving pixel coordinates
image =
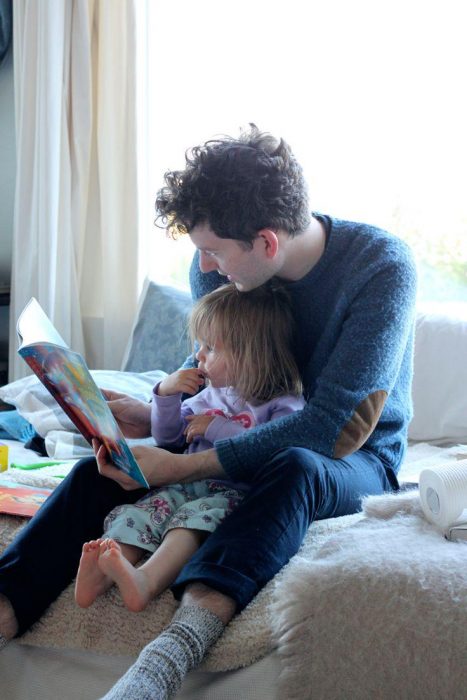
(237, 187)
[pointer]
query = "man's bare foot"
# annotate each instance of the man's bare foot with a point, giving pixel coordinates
(8, 623)
(91, 582)
(133, 584)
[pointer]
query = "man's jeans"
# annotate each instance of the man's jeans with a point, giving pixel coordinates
(287, 493)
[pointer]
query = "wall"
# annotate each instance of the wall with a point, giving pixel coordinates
(8, 166)
(7, 195)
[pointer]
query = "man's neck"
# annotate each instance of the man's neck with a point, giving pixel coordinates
(302, 252)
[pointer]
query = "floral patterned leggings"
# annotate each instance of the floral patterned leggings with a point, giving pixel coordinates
(201, 505)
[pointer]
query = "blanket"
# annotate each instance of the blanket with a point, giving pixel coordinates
(108, 627)
(387, 622)
(274, 618)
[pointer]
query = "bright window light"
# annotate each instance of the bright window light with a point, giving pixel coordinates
(370, 95)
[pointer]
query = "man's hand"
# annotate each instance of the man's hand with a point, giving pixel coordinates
(183, 381)
(132, 415)
(157, 465)
(161, 467)
(108, 469)
(197, 426)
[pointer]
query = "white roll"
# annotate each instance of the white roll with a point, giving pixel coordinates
(443, 494)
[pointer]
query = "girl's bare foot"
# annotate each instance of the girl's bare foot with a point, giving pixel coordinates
(133, 584)
(91, 582)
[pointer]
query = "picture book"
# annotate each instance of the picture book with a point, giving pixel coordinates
(66, 376)
(18, 499)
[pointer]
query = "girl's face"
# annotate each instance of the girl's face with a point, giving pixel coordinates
(213, 363)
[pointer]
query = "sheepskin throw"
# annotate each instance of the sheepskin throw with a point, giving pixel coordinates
(373, 606)
(108, 627)
(379, 612)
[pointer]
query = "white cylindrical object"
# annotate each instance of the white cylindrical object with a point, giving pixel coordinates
(443, 494)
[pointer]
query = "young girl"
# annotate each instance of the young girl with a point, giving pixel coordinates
(246, 364)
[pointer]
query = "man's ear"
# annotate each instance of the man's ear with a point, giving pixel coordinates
(270, 241)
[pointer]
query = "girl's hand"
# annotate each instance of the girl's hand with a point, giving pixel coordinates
(197, 426)
(132, 415)
(184, 381)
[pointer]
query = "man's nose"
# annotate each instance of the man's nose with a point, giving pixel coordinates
(206, 263)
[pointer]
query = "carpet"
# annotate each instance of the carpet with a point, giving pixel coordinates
(292, 601)
(380, 611)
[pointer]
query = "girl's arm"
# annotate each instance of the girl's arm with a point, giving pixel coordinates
(167, 421)
(167, 424)
(216, 427)
(212, 427)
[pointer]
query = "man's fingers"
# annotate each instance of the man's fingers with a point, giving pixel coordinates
(110, 395)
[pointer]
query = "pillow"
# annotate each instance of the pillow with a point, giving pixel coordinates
(159, 339)
(15, 427)
(439, 387)
(62, 440)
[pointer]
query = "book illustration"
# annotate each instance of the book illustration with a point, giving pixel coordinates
(16, 499)
(65, 375)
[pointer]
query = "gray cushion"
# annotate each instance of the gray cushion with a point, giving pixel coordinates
(159, 339)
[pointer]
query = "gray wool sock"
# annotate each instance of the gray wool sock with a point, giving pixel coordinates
(161, 667)
(3, 641)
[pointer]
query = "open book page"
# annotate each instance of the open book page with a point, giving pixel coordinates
(18, 499)
(66, 376)
(34, 326)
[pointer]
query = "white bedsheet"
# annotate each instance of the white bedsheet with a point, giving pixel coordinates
(47, 674)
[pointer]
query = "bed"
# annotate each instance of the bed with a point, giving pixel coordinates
(284, 643)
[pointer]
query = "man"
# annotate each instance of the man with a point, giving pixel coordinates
(244, 204)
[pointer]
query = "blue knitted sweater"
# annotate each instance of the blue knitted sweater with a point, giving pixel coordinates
(355, 317)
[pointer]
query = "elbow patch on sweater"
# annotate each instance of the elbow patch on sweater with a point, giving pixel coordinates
(359, 428)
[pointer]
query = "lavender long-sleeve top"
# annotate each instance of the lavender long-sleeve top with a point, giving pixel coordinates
(232, 415)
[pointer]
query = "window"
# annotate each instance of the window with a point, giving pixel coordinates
(370, 96)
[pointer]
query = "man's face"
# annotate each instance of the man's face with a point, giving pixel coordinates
(247, 268)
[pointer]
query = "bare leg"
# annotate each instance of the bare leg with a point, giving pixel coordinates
(8, 624)
(91, 581)
(139, 586)
(204, 597)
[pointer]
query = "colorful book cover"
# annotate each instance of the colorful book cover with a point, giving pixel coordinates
(17, 499)
(66, 376)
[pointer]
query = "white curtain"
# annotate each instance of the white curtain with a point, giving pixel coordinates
(75, 244)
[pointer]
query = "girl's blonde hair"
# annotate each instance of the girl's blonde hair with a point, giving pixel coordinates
(257, 330)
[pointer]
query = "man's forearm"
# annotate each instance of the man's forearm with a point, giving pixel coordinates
(162, 468)
(201, 465)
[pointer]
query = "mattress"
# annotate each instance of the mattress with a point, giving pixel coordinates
(43, 673)
(48, 674)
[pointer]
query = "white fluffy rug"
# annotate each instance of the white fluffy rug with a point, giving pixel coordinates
(346, 579)
(108, 627)
(380, 612)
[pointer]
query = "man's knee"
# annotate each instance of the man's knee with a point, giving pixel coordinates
(84, 469)
(297, 465)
